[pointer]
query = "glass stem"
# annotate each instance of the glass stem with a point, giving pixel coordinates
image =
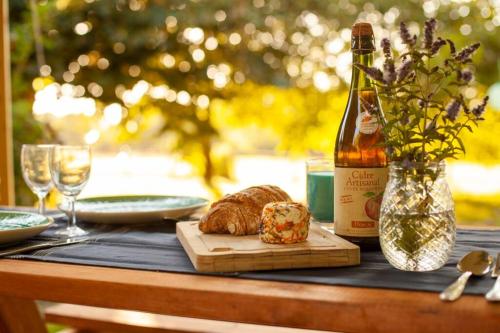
(72, 221)
(41, 204)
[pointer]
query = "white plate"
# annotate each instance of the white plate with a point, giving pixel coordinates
(135, 208)
(18, 226)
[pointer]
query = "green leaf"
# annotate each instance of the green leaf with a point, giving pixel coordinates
(460, 142)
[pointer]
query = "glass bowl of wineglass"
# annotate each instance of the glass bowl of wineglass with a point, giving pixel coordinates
(36, 171)
(70, 170)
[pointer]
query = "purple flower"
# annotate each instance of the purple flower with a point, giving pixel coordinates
(437, 45)
(389, 71)
(372, 72)
(422, 103)
(453, 109)
(453, 50)
(478, 111)
(405, 35)
(466, 109)
(465, 76)
(404, 70)
(386, 47)
(430, 26)
(464, 55)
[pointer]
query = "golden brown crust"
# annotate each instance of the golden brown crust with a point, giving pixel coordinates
(280, 194)
(239, 213)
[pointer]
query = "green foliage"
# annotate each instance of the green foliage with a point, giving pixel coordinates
(478, 210)
(25, 128)
(266, 85)
(483, 145)
(301, 120)
(54, 328)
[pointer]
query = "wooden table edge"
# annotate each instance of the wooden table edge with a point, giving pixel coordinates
(309, 306)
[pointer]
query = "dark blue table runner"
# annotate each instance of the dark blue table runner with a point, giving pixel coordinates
(155, 247)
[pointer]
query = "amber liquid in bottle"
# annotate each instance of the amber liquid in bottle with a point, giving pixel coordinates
(360, 159)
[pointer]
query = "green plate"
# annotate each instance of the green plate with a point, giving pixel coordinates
(17, 226)
(135, 208)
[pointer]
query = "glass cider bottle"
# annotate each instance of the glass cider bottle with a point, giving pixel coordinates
(360, 160)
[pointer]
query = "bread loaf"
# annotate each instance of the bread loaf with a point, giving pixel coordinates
(239, 213)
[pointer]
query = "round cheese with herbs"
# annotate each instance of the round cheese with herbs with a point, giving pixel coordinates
(284, 223)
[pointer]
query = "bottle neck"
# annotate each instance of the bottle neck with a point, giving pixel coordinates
(359, 79)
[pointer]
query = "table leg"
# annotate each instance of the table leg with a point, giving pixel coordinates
(18, 315)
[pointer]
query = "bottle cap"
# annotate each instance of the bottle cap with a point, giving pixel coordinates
(362, 38)
(362, 29)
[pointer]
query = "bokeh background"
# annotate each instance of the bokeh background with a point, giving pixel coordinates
(207, 97)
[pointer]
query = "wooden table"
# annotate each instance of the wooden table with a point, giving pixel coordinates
(344, 309)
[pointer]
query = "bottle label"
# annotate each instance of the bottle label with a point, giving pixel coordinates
(367, 123)
(357, 197)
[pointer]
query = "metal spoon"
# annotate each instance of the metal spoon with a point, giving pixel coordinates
(476, 263)
(494, 294)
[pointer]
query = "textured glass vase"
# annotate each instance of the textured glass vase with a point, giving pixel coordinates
(417, 217)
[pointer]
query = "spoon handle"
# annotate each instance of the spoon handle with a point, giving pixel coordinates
(455, 290)
(494, 294)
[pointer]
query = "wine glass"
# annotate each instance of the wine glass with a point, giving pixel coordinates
(70, 170)
(36, 171)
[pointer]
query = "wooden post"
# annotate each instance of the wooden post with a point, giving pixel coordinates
(18, 315)
(6, 158)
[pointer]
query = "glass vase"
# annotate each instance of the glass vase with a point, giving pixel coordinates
(417, 217)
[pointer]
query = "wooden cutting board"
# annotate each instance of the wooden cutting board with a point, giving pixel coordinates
(226, 253)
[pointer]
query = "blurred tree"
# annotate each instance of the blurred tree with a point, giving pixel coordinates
(25, 128)
(206, 66)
